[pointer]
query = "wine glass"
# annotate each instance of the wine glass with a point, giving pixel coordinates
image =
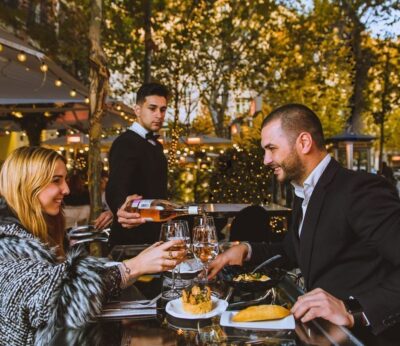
(205, 244)
(175, 230)
(203, 220)
(186, 237)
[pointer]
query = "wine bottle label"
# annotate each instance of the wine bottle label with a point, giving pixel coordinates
(193, 210)
(142, 203)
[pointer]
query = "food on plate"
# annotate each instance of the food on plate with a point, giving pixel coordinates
(261, 313)
(251, 277)
(197, 300)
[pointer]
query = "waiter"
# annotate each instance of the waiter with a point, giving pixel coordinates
(138, 167)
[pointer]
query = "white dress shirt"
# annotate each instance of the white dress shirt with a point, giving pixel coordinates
(141, 131)
(309, 184)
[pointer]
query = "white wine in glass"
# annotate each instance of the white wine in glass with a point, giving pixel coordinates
(205, 246)
(175, 230)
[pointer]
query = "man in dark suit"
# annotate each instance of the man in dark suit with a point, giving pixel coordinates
(138, 168)
(347, 244)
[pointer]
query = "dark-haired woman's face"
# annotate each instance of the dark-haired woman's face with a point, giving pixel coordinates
(53, 194)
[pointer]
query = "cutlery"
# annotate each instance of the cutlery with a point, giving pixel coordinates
(268, 261)
(132, 304)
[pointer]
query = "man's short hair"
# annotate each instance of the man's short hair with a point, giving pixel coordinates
(150, 89)
(296, 118)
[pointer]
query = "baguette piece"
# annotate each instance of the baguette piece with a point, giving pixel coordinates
(261, 313)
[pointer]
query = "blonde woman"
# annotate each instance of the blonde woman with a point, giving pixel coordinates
(42, 287)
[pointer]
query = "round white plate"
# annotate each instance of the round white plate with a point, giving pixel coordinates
(175, 308)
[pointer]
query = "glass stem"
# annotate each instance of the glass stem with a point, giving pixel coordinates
(173, 280)
(205, 266)
(178, 276)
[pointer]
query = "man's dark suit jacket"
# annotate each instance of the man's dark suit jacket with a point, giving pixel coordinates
(136, 167)
(349, 243)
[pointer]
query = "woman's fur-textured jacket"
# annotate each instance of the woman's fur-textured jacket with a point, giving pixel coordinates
(38, 294)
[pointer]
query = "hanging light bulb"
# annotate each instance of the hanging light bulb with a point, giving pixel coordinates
(72, 93)
(86, 99)
(316, 57)
(47, 114)
(58, 82)
(44, 67)
(21, 56)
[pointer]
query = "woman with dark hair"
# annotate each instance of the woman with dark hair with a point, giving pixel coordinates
(41, 287)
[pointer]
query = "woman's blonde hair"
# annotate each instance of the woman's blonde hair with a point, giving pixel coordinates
(25, 173)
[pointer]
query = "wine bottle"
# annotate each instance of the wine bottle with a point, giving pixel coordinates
(159, 210)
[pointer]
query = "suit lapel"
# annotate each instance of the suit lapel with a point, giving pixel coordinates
(311, 219)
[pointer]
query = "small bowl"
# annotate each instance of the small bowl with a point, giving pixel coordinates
(228, 273)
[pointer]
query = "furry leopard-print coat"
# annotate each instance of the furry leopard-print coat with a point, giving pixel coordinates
(38, 294)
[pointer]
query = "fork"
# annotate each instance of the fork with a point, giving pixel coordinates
(132, 304)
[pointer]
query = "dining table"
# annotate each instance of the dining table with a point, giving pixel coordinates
(141, 316)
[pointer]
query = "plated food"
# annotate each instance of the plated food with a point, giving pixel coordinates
(261, 313)
(242, 279)
(250, 277)
(197, 300)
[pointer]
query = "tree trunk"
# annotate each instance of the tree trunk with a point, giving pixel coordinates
(362, 62)
(385, 106)
(148, 41)
(174, 134)
(217, 105)
(33, 124)
(99, 76)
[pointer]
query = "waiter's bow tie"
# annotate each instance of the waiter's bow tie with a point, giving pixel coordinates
(152, 136)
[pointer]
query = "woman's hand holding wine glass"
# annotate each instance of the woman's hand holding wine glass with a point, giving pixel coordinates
(156, 258)
(175, 230)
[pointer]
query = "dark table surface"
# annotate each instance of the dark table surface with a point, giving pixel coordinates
(163, 329)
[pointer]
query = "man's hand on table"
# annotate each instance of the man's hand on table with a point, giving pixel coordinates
(104, 219)
(233, 256)
(128, 219)
(319, 303)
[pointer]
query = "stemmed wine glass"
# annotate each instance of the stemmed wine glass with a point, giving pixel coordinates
(205, 243)
(175, 230)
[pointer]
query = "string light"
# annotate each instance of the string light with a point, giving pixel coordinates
(72, 93)
(21, 56)
(44, 68)
(58, 82)
(17, 114)
(86, 100)
(47, 114)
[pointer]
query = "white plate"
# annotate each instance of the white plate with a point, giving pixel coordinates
(175, 308)
(284, 323)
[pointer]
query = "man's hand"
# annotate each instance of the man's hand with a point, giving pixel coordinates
(128, 219)
(318, 303)
(234, 255)
(103, 220)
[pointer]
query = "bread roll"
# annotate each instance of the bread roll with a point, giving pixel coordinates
(261, 313)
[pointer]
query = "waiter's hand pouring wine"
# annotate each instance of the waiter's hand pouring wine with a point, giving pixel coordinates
(127, 218)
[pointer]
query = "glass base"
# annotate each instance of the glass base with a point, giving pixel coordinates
(171, 294)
